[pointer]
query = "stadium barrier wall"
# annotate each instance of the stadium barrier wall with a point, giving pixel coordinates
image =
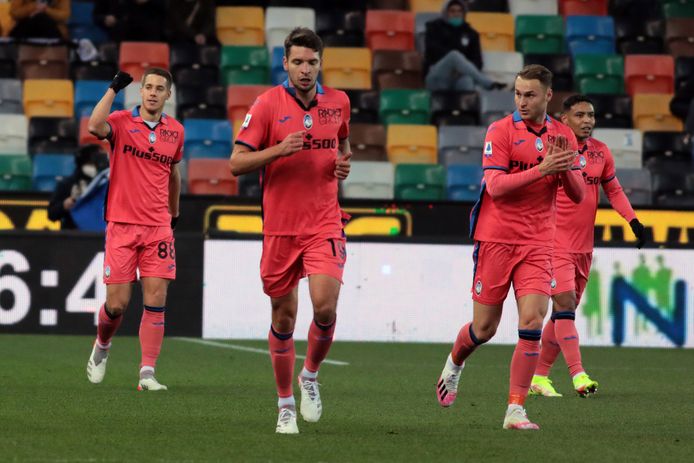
(421, 293)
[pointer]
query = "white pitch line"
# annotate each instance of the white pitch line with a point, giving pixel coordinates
(254, 350)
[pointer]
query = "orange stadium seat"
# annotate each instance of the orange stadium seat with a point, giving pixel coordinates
(211, 177)
(43, 62)
(86, 138)
(347, 68)
(583, 7)
(425, 6)
(651, 113)
(412, 144)
(240, 98)
(390, 30)
(6, 20)
(497, 30)
(649, 74)
(48, 97)
(135, 57)
(241, 25)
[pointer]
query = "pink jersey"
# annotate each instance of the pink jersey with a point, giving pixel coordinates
(526, 216)
(575, 222)
(141, 162)
(300, 190)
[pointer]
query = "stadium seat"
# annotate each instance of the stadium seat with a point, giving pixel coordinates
(398, 106)
(649, 74)
(540, 34)
(240, 25)
(339, 28)
(135, 57)
(679, 36)
(211, 177)
(670, 145)
(388, 4)
(425, 6)
(561, 66)
(369, 180)
(612, 111)
(133, 97)
(464, 182)
(249, 185)
(669, 186)
(8, 59)
(625, 145)
(390, 30)
(240, 98)
(420, 28)
(277, 72)
(195, 65)
(599, 74)
(6, 19)
(207, 138)
(490, 6)
(43, 62)
(11, 96)
(49, 169)
(368, 142)
(425, 182)
(55, 135)
(583, 7)
(502, 66)
(652, 113)
(461, 144)
(81, 23)
(590, 35)
(397, 69)
(455, 108)
(279, 22)
(496, 30)
(555, 108)
(201, 102)
(86, 138)
(412, 144)
(636, 184)
(684, 69)
(103, 67)
(89, 92)
(365, 105)
(15, 172)
(533, 7)
(14, 134)
(495, 104)
(48, 97)
(638, 37)
(245, 65)
(634, 9)
(678, 9)
(347, 68)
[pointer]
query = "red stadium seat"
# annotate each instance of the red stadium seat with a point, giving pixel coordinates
(135, 57)
(86, 138)
(240, 98)
(649, 74)
(211, 177)
(390, 30)
(583, 7)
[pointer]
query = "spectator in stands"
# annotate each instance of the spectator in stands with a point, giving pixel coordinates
(192, 21)
(89, 161)
(45, 19)
(453, 55)
(132, 20)
(682, 104)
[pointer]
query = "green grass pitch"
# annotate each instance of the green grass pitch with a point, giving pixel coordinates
(221, 406)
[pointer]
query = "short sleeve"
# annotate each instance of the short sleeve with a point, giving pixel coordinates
(115, 121)
(496, 153)
(255, 129)
(179, 151)
(608, 170)
(346, 112)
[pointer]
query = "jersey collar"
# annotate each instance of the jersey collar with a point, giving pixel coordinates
(137, 118)
(292, 91)
(517, 118)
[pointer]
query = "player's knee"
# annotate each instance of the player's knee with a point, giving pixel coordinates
(324, 314)
(115, 308)
(156, 296)
(485, 331)
(564, 305)
(531, 323)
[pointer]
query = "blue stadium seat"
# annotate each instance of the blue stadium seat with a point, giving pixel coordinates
(590, 35)
(49, 169)
(464, 182)
(277, 72)
(89, 92)
(207, 138)
(82, 25)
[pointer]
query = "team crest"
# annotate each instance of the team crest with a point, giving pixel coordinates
(478, 287)
(539, 145)
(152, 138)
(308, 122)
(488, 149)
(107, 271)
(582, 161)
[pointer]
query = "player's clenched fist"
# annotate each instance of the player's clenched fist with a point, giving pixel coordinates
(342, 166)
(292, 143)
(559, 157)
(121, 80)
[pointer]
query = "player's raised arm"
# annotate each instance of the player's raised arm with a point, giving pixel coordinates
(244, 159)
(97, 121)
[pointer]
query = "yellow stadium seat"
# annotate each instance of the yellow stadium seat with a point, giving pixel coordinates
(497, 30)
(347, 68)
(6, 21)
(48, 97)
(425, 6)
(651, 113)
(241, 25)
(412, 144)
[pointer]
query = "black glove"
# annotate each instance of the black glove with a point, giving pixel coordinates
(174, 221)
(640, 232)
(120, 81)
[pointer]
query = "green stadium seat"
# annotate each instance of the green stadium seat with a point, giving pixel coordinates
(540, 34)
(15, 172)
(678, 10)
(603, 74)
(426, 182)
(245, 65)
(400, 106)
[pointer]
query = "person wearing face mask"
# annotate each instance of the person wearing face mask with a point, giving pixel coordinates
(453, 55)
(89, 161)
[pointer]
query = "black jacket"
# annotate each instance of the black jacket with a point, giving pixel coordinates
(56, 211)
(441, 37)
